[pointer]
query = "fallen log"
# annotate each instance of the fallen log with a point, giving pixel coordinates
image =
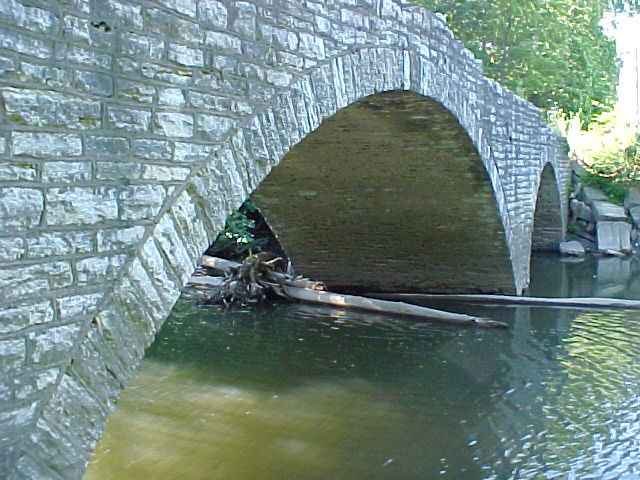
(578, 302)
(305, 290)
(385, 306)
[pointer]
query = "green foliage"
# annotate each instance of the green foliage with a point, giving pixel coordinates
(552, 52)
(238, 235)
(613, 187)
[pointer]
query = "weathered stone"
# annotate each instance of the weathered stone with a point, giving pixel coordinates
(29, 385)
(175, 124)
(184, 55)
(119, 239)
(580, 210)
(17, 282)
(66, 172)
(94, 270)
(25, 44)
(12, 249)
(213, 13)
(93, 82)
(614, 236)
(223, 42)
(606, 211)
(30, 18)
(51, 244)
(171, 96)
(635, 215)
(141, 202)
(572, 248)
(137, 45)
(191, 152)
(12, 354)
(212, 128)
(10, 172)
(136, 91)
(106, 147)
(152, 149)
(632, 197)
(127, 171)
(46, 144)
(591, 193)
(81, 205)
(53, 345)
(45, 75)
(128, 119)
(20, 207)
(17, 318)
(75, 54)
(164, 174)
(76, 306)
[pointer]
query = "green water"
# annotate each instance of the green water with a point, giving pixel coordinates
(298, 392)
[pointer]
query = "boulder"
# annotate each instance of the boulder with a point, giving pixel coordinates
(580, 210)
(590, 193)
(573, 247)
(615, 236)
(607, 211)
(635, 215)
(632, 197)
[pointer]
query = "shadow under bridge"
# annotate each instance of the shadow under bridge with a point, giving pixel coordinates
(389, 194)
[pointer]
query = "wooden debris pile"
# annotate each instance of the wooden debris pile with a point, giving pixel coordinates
(259, 279)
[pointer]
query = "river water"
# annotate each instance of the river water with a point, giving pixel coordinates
(302, 392)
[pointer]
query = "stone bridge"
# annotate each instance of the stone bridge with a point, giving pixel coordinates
(129, 130)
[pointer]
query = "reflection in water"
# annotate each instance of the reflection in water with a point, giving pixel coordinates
(294, 392)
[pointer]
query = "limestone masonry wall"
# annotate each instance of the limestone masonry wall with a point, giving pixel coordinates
(129, 130)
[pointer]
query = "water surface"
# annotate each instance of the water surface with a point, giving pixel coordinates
(299, 392)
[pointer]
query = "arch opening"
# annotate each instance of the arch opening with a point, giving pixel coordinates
(548, 223)
(389, 194)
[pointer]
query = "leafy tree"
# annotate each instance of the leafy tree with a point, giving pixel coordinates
(552, 52)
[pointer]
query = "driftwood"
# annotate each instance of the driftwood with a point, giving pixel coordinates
(579, 302)
(302, 289)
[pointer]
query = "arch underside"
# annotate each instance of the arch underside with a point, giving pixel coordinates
(548, 223)
(389, 194)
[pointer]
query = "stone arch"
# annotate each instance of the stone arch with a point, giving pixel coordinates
(548, 219)
(388, 194)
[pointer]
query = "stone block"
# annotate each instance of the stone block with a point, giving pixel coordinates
(12, 249)
(106, 147)
(223, 42)
(171, 96)
(128, 119)
(170, 24)
(51, 244)
(93, 82)
(66, 172)
(159, 273)
(161, 173)
(615, 236)
(174, 249)
(591, 193)
(175, 124)
(121, 14)
(136, 45)
(152, 149)
(53, 345)
(176, 76)
(120, 238)
(30, 18)
(212, 128)
(74, 54)
(17, 282)
(191, 152)
(606, 211)
(580, 210)
(32, 385)
(136, 91)
(213, 14)
(17, 318)
(81, 206)
(45, 75)
(635, 215)
(42, 145)
(127, 171)
(572, 248)
(20, 207)
(12, 354)
(632, 198)
(95, 270)
(190, 57)
(25, 44)
(141, 202)
(77, 306)
(185, 7)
